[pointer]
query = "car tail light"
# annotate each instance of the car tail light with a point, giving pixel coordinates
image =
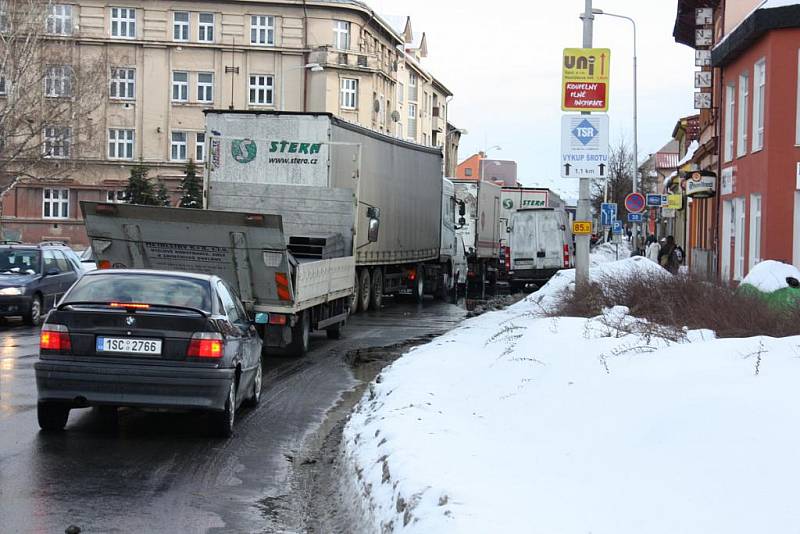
(277, 319)
(130, 305)
(206, 345)
(103, 264)
(566, 256)
(55, 337)
(282, 285)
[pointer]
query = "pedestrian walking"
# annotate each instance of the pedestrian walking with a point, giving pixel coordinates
(668, 256)
(652, 248)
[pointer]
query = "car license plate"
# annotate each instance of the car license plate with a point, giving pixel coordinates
(128, 345)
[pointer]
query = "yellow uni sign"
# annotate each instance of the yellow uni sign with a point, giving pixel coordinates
(585, 79)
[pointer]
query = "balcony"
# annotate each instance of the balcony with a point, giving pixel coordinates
(437, 119)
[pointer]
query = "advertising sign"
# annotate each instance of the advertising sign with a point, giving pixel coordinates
(656, 201)
(674, 202)
(584, 146)
(701, 184)
(585, 79)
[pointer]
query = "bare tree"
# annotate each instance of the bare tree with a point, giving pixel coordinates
(49, 90)
(620, 182)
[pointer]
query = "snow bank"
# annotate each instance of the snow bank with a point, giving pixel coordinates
(518, 423)
(608, 252)
(770, 275)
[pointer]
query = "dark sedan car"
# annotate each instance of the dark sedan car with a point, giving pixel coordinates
(148, 339)
(33, 278)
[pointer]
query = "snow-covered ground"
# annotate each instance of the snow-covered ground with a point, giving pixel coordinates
(516, 422)
(606, 252)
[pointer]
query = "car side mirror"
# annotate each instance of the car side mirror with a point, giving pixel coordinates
(462, 222)
(373, 213)
(462, 208)
(52, 272)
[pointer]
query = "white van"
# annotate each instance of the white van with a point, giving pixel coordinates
(541, 244)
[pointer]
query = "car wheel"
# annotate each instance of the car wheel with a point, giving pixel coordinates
(255, 398)
(34, 315)
(52, 416)
(222, 422)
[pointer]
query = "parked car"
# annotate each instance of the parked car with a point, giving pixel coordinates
(34, 277)
(148, 339)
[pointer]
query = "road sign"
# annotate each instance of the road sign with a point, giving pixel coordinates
(656, 201)
(616, 228)
(635, 203)
(584, 146)
(582, 227)
(608, 213)
(585, 79)
(635, 217)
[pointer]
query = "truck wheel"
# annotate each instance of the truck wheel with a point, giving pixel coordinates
(354, 297)
(376, 298)
(300, 336)
(419, 284)
(364, 292)
(52, 416)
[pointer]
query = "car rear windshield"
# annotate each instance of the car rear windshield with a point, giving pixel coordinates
(17, 261)
(144, 289)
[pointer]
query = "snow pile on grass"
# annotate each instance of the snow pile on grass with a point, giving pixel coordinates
(519, 423)
(770, 275)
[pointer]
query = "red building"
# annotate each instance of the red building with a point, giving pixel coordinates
(759, 140)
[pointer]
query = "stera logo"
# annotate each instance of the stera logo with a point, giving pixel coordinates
(580, 63)
(294, 147)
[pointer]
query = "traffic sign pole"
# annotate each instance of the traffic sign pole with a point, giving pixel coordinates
(584, 195)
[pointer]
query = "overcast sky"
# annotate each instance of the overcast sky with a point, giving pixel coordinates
(502, 61)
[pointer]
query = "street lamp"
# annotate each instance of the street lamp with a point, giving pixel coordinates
(486, 153)
(314, 67)
(635, 236)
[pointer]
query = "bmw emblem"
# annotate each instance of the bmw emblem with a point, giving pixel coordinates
(130, 321)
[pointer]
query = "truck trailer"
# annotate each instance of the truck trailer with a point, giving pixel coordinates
(385, 197)
(481, 231)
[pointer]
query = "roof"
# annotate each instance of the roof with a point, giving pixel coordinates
(685, 25)
(152, 272)
(666, 160)
(769, 15)
(364, 7)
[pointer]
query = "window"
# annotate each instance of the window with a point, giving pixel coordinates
(56, 141)
(349, 90)
(738, 237)
(400, 93)
(3, 86)
(178, 147)
(228, 303)
(200, 146)
(755, 230)
(55, 204)
(180, 26)
(341, 34)
(205, 87)
(120, 144)
(123, 22)
(412, 87)
(412, 121)
(205, 28)
(116, 196)
(468, 171)
(58, 81)
(123, 84)
(730, 105)
(759, 94)
(59, 19)
(744, 105)
(262, 30)
(261, 89)
(180, 86)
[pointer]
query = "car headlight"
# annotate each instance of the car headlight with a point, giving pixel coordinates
(6, 291)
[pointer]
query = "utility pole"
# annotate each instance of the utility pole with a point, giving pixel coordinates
(584, 202)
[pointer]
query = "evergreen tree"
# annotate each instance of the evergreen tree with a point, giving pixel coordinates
(140, 190)
(191, 188)
(162, 195)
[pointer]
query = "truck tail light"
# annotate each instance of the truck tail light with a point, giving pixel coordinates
(508, 258)
(412, 275)
(277, 319)
(55, 337)
(103, 264)
(206, 345)
(566, 256)
(282, 285)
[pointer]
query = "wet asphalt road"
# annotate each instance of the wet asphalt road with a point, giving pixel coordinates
(160, 472)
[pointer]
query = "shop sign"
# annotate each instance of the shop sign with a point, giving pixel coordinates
(701, 184)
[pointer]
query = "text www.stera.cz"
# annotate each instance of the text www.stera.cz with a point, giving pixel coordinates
(295, 161)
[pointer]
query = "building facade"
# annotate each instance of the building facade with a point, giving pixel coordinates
(167, 62)
(478, 167)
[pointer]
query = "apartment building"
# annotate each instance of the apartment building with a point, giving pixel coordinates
(478, 167)
(166, 62)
